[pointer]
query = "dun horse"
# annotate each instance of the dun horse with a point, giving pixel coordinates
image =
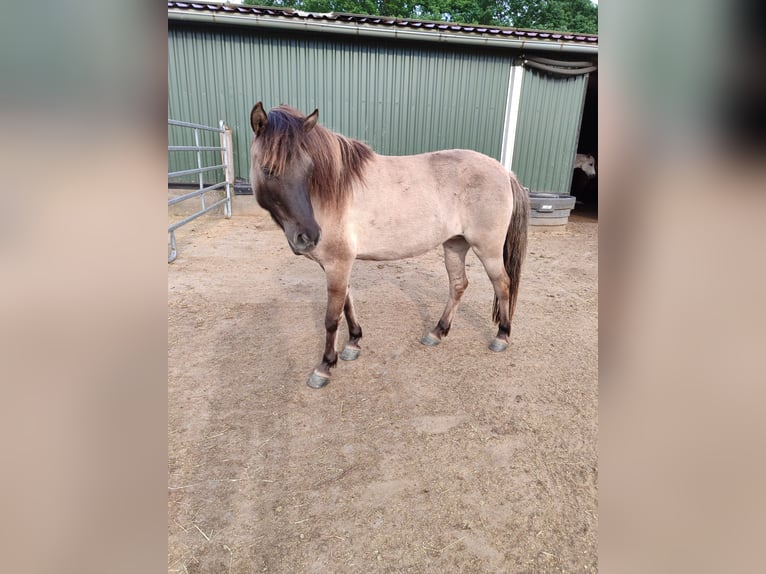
(337, 201)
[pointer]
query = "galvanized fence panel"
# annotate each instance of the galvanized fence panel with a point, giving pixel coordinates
(205, 164)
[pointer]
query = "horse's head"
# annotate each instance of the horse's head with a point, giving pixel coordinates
(587, 163)
(280, 171)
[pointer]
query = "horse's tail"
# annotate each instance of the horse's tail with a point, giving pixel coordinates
(515, 244)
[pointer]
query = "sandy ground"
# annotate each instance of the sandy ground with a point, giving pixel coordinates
(413, 459)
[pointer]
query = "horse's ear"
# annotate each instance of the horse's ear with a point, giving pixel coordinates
(311, 121)
(258, 118)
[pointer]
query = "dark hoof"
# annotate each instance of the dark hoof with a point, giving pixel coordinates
(350, 353)
(498, 345)
(317, 381)
(430, 341)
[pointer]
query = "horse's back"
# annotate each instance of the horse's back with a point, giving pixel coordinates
(442, 175)
(407, 205)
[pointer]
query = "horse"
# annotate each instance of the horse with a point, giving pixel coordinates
(337, 201)
(587, 163)
(582, 180)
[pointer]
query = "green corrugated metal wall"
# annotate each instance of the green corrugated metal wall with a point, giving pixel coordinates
(550, 111)
(399, 98)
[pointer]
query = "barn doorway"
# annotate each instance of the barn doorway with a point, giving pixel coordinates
(584, 188)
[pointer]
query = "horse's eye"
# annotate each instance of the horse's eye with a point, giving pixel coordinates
(267, 171)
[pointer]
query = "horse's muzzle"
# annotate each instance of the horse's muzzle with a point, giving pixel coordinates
(302, 242)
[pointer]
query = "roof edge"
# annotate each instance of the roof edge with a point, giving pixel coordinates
(382, 27)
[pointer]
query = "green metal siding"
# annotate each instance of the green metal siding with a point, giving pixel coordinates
(399, 98)
(550, 110)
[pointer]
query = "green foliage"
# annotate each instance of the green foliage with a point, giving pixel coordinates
(464, 11)
(562, 15)
(396, 8)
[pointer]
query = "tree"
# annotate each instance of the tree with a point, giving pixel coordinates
(464, 11)
(579, 16)
(395, 8)
(562, 15)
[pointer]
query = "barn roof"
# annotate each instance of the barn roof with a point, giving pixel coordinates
(383, 27)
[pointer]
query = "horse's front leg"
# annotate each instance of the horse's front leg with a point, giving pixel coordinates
(337, 289)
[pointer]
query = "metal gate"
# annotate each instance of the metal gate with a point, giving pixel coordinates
(224, 166)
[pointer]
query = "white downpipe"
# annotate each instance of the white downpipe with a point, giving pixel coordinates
(511, 115)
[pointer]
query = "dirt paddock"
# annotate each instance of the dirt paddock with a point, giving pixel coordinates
(413, 459)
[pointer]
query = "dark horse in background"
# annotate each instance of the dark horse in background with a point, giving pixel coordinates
(583, 179)
(337, 201)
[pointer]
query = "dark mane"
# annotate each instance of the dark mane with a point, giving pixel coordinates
(338, 161)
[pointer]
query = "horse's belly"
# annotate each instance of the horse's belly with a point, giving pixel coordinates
(412, 204)
(388, 240)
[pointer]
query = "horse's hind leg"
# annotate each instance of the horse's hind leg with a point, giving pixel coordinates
(495, 268)
(352, 349)
(454, 259)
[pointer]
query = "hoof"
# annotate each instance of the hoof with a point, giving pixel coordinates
(350, 353)
(498, 345)
(317, 381)
(430, 341)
